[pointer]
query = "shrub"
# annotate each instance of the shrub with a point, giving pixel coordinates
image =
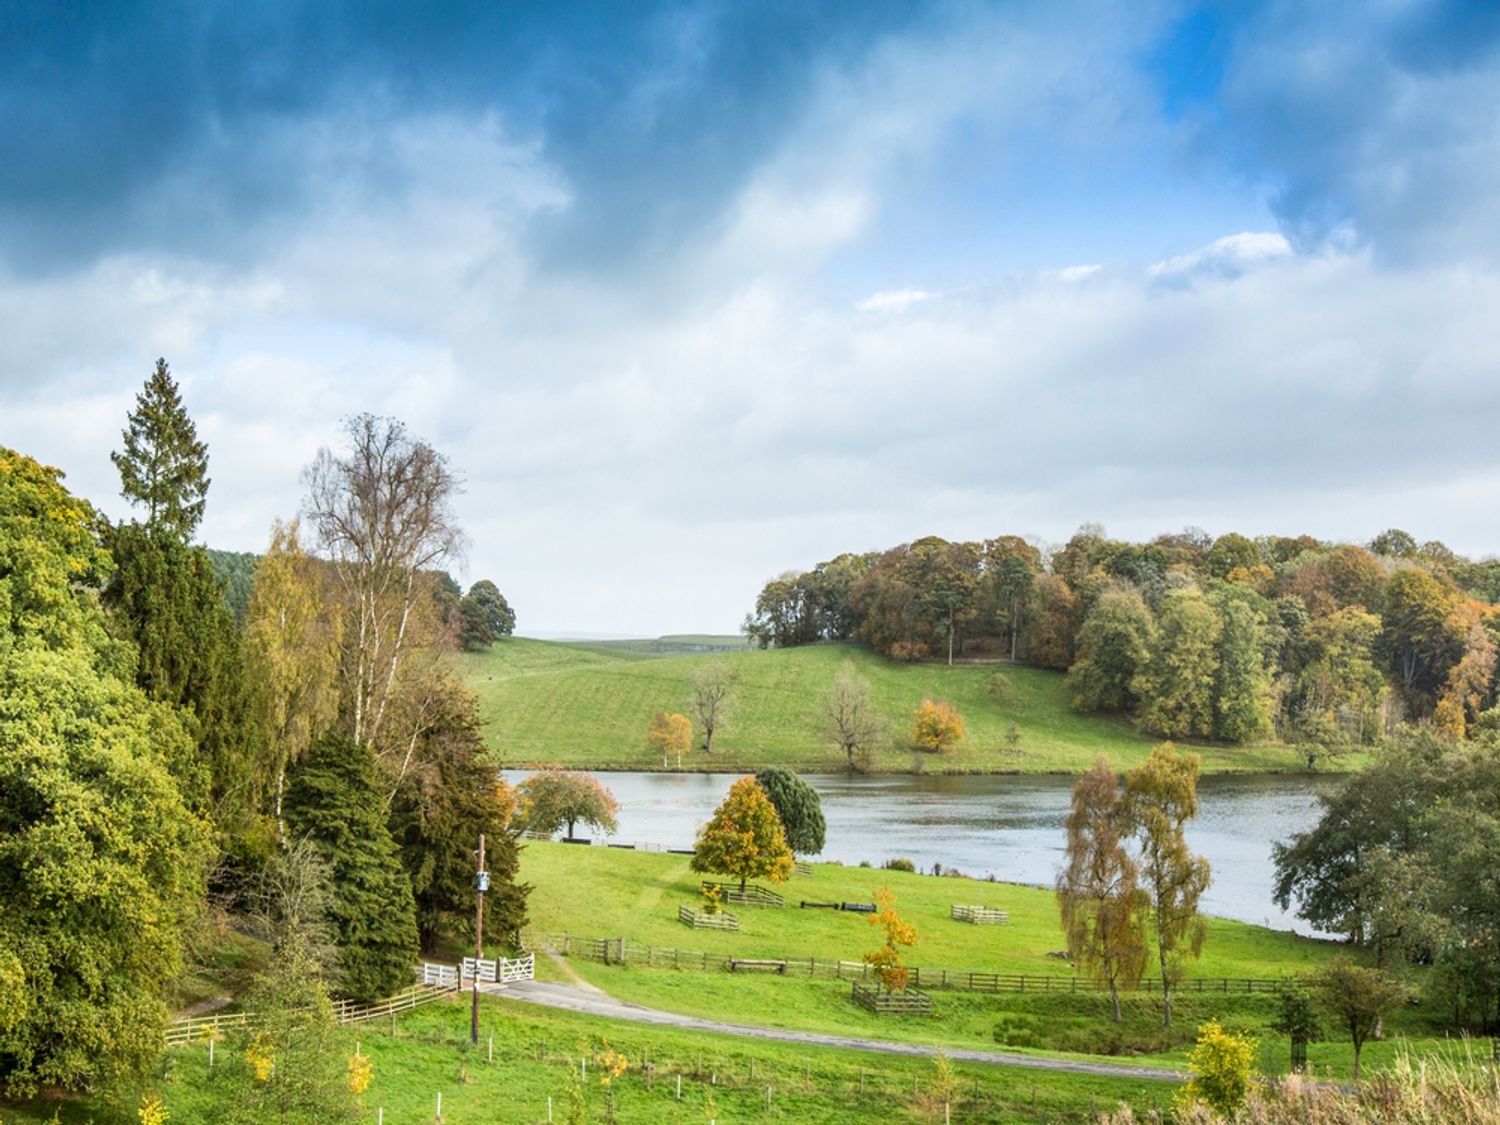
(1220, 1063)
(899, 864)
(1001, 687)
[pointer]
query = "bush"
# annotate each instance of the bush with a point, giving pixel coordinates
(1221, 1064)
(1001, 687)
(899, 865)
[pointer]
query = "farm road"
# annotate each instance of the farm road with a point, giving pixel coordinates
(601, 1004)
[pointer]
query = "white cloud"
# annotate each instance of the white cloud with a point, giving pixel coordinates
(894, 300)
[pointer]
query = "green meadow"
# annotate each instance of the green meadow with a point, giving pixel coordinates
(587, 707)
(599, 892)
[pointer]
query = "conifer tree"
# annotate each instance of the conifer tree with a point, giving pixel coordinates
(799, 808)
(335, 801)
(163, 467)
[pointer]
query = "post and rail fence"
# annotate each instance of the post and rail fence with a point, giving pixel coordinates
(435, 981)
(622, 950)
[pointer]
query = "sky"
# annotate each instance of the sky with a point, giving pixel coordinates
(694, 293)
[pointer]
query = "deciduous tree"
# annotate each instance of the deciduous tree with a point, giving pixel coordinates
(711, 699)
(938, 725)
(799, 808)
(554, 798)
(1357, 997)
(291, 656)
(497, 612)
(1114, 643)
(849, 718)
(1161, 796)
(1176, 684)
(383, 516)
(744, 838)
(890, 970)
(670, 734)
(1103, 908)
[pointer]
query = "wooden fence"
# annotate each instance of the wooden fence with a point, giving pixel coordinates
(344, 1012)
(753, 894)
(701, 920)
(801, 868)
(877, 999)
(979, 915)
(622, 950)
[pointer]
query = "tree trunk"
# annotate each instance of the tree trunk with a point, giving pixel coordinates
(1114, 995)
(950, 639)
(280, 823)
(1166, 989)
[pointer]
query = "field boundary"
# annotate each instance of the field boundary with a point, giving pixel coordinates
(623, 951)
(191, 1030)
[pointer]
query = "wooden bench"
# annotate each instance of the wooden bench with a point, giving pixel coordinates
(736, 964)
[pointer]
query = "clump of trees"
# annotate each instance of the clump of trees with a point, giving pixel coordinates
(1129, 881)
(744, 839)
(1404, 861)
(1230, 639)
(671, 734)
(151, 735)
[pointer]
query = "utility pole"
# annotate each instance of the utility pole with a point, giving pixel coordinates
(481, 884)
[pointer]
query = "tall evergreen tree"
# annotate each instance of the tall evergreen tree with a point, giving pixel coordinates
(437, 816)
(799, 808)
(163, 467)
(335, 800)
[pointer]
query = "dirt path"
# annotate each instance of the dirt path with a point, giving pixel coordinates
(596, 1003)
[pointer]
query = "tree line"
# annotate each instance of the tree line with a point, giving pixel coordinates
(1231, 639)
(309, 771)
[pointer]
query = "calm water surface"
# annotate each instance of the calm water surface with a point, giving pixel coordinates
(1007, 826)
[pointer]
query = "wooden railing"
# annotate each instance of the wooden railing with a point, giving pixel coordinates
(878, 999)
(702, 920)
(979, 915)
(622, 950)
(753, 894)
(344, 1012)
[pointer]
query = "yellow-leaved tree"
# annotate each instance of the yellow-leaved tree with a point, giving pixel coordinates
(745, 838)
(890, 971)
(670, 733)
(938, 725)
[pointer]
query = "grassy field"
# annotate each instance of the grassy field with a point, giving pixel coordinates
(636, 894)
(537, 1054)
(588, 706)
(598, 892)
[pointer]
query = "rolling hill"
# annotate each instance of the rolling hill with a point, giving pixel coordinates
(587, 706)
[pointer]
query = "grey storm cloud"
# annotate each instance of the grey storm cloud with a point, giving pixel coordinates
(1380, 122)
(176, 126)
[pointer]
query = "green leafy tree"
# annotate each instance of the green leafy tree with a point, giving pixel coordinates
(1176, 684)
(1357, 997)
(102, 868)
(102, 861)
(555, 798)
(163, 467)
(1243, 690)
(497, 612)
(799, 808)
(1161, 796)
(1418, 637)
(1103, 908)
(1114, 644)
(744, 838)
(335, 800)
(474, 629)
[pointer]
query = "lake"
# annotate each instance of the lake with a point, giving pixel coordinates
(1007, 826)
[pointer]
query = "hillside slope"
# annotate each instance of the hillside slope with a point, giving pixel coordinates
(545, 702)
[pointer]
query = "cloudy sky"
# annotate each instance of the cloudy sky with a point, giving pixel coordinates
(693, 293)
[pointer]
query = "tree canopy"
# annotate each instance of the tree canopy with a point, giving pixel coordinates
(744, 838)
(554, 799)
(799, 808)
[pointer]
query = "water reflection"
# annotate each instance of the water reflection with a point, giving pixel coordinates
(1007, 826)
